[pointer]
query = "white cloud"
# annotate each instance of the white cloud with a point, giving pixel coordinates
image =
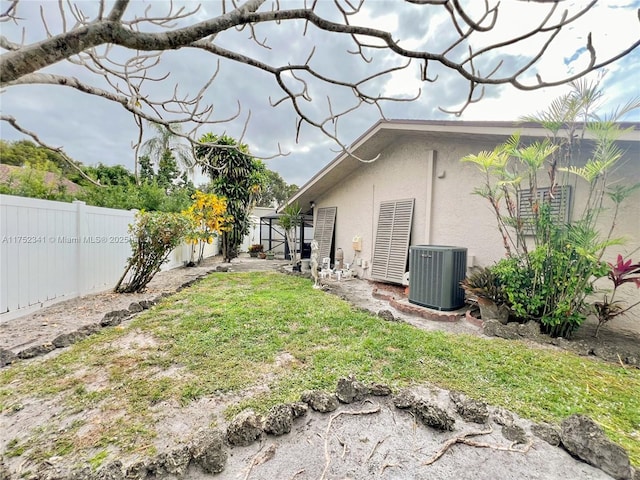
(94, 130)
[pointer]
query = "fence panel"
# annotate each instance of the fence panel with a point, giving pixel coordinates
(53, 251)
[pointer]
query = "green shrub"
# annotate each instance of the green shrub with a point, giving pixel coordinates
(153, 236)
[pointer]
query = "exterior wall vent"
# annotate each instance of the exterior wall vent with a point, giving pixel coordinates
(435, 273)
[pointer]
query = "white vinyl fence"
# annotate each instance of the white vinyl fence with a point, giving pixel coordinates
(54, 251)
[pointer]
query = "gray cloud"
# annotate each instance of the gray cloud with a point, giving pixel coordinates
(93, 130)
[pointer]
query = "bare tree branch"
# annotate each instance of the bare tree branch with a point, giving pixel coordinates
(13, 122)
(123, 49)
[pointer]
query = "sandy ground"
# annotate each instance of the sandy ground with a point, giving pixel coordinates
(385, 443)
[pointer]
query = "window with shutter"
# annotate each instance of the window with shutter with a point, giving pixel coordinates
(323, 230)
(391, 246)
(560, 204)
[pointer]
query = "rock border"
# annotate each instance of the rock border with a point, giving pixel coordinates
(209, 449)
(531, 331)
(110, 319)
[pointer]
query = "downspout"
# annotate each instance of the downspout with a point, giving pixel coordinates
(429, 184)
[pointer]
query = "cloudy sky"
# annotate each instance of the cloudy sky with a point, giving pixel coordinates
(94, 130)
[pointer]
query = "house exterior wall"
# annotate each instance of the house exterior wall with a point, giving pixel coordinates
(446, 210)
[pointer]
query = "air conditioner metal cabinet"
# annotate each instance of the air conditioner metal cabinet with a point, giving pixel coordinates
(435, 273)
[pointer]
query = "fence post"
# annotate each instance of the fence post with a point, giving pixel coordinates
(81, 227)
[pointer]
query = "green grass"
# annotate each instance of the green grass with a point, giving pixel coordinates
(225, 333)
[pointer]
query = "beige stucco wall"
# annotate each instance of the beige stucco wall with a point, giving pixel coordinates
(446, 211)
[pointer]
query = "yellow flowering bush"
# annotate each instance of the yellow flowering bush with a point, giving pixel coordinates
(208, 213)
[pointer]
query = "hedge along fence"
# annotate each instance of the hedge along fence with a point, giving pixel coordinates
(54, 251)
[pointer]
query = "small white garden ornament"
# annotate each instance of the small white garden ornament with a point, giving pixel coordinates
(314, 263)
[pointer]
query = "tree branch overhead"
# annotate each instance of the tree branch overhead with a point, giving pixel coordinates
(121, 48)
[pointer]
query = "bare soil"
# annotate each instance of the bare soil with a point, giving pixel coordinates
(386, 444)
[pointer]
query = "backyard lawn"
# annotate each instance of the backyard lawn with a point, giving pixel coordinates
(229, 333)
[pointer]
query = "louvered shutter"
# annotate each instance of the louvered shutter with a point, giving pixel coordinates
(560, 205)
(391, 246)
(323, 230)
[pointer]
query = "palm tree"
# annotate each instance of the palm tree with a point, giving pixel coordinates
(167, 140)
(236, 176)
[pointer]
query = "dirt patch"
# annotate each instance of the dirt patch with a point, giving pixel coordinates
(387, 443)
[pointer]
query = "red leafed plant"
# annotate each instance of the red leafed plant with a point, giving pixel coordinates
(621, 272)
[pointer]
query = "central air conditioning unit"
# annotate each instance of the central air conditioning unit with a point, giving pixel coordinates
(435, 275)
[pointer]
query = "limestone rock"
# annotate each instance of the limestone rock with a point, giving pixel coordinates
(404, 399)
(135, 307)
(469, 409)
(111, 471)
(173, 462)
(208, 451)
(379, 390)
(547, 432)
(585, 439)
(245, 428)
(7, 357)
(433, 416)
(66, 339)
(299, 409)
(320, 401)
(90, 329)
(502, 417)
(137, 471)
(386, 315)
(515, 433)
(350, 390)
(114, 318)
(36, 350)
(146, 304)
(279, 420)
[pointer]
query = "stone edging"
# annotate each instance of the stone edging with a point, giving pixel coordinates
(531, 331)
(580, 436)
(110, 319)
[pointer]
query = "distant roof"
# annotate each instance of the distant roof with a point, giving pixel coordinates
(50, 178)
(383, 132)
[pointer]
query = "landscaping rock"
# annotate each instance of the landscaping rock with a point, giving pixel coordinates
(547, 432)
(279, 420)
(36, 350)
(386, 315)
(350, 390)
(114, 318)
(470, 410)
(531, 329)
(501, 416)
(515, 433)
(111, 471)
(404, 399)
(208, 451)
(494, 328)
(90, 329)
(174, 462)
(66, 339)
(433, 416)
(7, 357)
(135, 307)
(320, 401)
(299, 409)
(245, 428)
(379, 390)
(146, 304)
(585, 439)
(137, 471)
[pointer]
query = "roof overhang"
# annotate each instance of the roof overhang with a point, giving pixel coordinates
(369, 145)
